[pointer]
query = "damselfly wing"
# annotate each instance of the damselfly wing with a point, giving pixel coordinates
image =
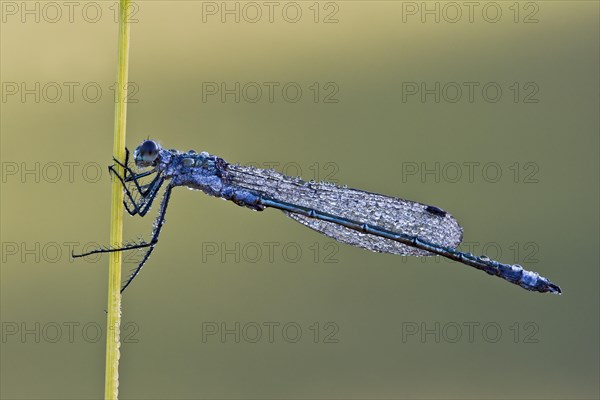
(426, 222)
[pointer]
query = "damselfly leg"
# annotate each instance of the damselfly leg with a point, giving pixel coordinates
(158, 224)
(148, 194)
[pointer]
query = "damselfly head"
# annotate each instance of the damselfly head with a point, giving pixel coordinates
(147, 154)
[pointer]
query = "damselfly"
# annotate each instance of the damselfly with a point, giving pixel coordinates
(368, 220)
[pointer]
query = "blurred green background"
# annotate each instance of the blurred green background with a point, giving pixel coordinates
(334, 321)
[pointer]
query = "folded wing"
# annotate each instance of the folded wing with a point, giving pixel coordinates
(426, 222)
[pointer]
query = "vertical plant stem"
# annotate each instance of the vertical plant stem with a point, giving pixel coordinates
(113, 323)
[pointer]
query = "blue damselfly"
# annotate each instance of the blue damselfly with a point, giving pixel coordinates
(368, 220)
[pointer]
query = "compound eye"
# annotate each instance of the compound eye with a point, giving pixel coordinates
(149, 147)
(147, 153)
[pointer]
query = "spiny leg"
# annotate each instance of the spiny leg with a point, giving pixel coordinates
(112, 250)
(124, 165)
(142, 208)
(125, 178)
(127, 192)
(142, 212)
(148, 195)
(128, 174)
(147, 200)
(160, 220)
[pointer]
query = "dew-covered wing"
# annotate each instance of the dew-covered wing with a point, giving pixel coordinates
(427, 222)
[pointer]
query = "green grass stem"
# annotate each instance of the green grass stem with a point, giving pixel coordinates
(113, 323)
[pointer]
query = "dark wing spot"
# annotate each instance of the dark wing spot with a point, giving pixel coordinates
(436, 211)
